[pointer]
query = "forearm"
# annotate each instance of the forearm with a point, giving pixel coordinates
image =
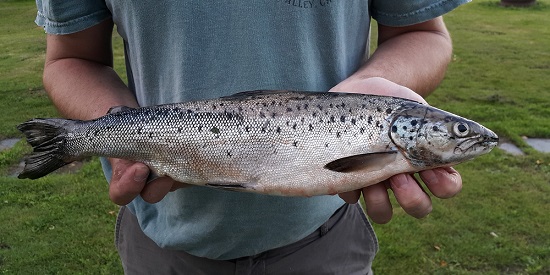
(78, 74)
(416, 58)
(83, 89)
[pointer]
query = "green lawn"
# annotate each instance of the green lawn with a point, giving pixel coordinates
(498, 224)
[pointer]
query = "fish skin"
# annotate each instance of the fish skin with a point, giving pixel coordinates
(269, 142)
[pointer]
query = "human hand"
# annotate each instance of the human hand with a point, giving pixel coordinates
(129, 179)
(444, 182)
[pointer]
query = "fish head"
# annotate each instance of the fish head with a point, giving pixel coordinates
(430, 137)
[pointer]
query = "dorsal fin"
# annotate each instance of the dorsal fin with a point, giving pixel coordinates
(118, 109)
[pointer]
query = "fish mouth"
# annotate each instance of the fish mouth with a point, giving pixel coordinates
(481, 143)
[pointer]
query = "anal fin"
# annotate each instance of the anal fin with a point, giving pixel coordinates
(232, 186)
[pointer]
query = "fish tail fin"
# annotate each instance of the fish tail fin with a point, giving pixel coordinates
(47, 138)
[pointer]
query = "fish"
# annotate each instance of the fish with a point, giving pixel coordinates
(286, 143)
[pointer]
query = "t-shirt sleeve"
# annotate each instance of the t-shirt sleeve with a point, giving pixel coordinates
(70, 16)
(402, 13)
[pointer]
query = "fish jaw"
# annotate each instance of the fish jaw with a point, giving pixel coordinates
(430, 137)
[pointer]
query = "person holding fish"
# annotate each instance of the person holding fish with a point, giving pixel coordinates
(193, 50)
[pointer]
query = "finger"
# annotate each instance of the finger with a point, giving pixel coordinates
(444, 182)
(377, 202)
(127, 181)
(157, 189)
(378, 86)
(410, 195)
(351, 197)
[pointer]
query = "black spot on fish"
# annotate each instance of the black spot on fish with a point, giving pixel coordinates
(228, 153)
(214, 106)
(150, 134)
(353, 121)
(262, 115)
(320, 107)
(295, 144)
(332, 119)
(314, 114)
(273, 115)
(306, 106)
(278, 130)
(338, 134)
(215, 130)
(181, 129)
(369, 120)
(410, 138)
(435, 128)
(288, 109)
(247, 129)
(378, 109)
(294, 126)
(362, 130)
(414, 122)
(388, 111)
(330, 105)
(404, 128)
(240, 109)
(189, 111)
(343, 119)
(394, 129)
(310, 127)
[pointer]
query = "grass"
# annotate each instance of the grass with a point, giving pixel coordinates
(63, 224)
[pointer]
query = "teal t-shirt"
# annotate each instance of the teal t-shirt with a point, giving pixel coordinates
(187, 50)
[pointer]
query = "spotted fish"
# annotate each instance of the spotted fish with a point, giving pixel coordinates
(271, 142)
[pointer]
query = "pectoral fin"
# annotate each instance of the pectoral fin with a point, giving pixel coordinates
(363, 162)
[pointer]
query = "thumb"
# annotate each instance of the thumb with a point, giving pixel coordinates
(128, 180)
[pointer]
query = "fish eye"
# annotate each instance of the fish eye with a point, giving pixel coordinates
(461, 129)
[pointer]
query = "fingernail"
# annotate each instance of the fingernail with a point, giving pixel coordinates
(429, 176)
(141, 174)
(400, 181)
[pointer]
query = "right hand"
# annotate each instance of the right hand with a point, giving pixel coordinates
(129, 179)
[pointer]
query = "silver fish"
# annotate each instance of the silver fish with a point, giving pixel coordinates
(270, 142)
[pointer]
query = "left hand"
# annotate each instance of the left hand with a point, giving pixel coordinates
(444, 182)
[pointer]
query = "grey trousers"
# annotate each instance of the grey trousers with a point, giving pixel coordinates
(345, 244)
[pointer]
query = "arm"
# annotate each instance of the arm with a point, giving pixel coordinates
(415, 57)
(80, 81)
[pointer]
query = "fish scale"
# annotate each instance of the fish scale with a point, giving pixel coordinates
(270, 142)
